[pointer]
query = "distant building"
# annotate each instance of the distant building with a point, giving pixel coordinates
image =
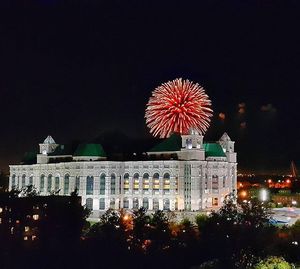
(29, 218)
(180, 173)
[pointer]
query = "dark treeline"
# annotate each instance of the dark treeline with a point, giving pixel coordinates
(237, 236)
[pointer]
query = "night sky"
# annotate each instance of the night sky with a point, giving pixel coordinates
(76, 69)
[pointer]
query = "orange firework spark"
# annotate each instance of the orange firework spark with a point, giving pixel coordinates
(177, 107)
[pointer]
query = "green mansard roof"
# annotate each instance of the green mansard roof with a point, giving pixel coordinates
(173, 143)
(213, 150)
(90, 150)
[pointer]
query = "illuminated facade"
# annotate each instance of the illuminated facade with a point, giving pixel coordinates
(180, 173)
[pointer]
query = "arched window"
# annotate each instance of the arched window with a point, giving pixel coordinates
(125, 203)
(215, 182)
(89, 203)
(135, 203)
(112, 203)
(42, 183)
(56, 187)
(89, 185)
(113, 184)
(155, 183)
(145, 183)
(145, 203)
(155, 204)
(102, 184)
(13, 181)
(166, 203)
(126, 183)
(31, 180)
(102, 204)
(66, 184)
(77, 183)
(166, 183)
(23, 181)
(136, 182)
(49, 183)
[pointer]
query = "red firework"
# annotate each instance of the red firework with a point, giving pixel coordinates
(177, 107)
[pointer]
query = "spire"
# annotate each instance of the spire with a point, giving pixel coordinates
(225, 137)
(294, 171)
(49, 140)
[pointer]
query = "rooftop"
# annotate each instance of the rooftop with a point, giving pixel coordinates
(89, 150)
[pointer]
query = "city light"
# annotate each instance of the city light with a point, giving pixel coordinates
(263, 195)
(243, 193)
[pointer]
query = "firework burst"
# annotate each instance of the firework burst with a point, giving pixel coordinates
(176, 107)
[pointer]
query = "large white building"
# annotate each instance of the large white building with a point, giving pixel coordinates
(180, 173)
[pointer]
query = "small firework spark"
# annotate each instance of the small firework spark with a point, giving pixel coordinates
(177, 107)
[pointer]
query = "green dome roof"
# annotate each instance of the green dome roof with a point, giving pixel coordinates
(95, 150)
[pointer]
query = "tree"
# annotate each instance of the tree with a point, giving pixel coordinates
(273, 262)
(3, 181)
(237, 233)
(201, 221)
(255, 213)
(160, 233)
(29, 191)
(141, 229)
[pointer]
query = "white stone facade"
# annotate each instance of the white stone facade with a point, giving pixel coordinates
(189, 183)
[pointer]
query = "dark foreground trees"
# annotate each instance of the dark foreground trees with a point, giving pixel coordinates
(237, 236)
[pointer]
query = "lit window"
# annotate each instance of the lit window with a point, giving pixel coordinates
(126, 182)
(35, 217)
(145, 182)
(33, 237)
(17, 221)
(1, 209)
(26, 228)
(166, 183)
(0, 221)
(25, 238)
(136, 182)
(155, 182)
